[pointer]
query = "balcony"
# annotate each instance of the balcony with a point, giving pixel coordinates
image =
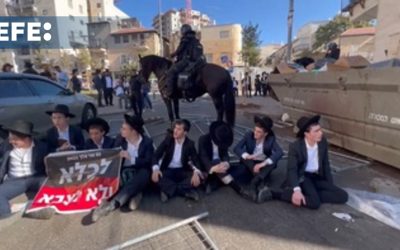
(362, 10)
(22, 8)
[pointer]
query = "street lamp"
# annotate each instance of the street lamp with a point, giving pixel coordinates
(290, 28)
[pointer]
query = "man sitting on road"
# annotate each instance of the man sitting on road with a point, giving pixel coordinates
(309, 173)
(259, 152)
(63, 136)
(98, 129)
(174, 164)
(21, 165)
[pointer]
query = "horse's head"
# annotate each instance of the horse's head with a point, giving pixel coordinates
(153, 64)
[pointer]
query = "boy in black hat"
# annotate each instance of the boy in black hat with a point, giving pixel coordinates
(63, 136)
(309, 174)
(259, 152)
(22, 165)
(213, 153)
(98, 129)
(136, 167)
(175, 164)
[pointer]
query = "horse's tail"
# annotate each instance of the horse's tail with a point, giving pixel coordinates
(229, 103)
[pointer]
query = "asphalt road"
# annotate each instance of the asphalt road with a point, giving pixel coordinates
(233, 223)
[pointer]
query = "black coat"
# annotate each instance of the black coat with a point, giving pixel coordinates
(98, 83)
(206, 152)
(189, 48)
(108, 143)
(75, 138)
(271, 148)
(145, 152)
(166, 152)
(297, 162)
(38, 154)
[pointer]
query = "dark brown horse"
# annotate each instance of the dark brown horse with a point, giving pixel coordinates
(210, 78)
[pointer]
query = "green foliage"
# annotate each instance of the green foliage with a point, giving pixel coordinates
(251, 42)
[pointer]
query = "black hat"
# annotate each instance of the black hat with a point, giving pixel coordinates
(61, 108)
(221, 134)
(265, 122)
(135, 122)
(21, 127)
(97, 121)
(186, 122)
(304, 122)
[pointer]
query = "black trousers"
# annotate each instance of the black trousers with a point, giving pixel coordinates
(175, 181)
(136, 182)
(99, 97)
(260, 179)
(108, 96)
(137, 103)
(316, 191)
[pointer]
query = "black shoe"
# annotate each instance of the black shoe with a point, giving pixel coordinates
(264, 194)
(208, 188)
(135, 201)
(249, 194)
(163, 197)
(192, 195)
(104, 209)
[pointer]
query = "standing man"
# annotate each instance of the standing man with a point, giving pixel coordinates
(22, 167)
(63, 136)
(259, 152)
(108, 84)
(76, 82)
(29, 69)
(309, 173)
(136, 83)
(175, 164)
(258, 85)
(98, 129)
(136, 167)
(99, 86)
(246, 85)
(62, 77)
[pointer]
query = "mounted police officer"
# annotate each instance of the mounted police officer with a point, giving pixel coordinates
(189, 52)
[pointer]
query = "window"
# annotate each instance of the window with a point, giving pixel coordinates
(134, 37)
(72, 18)
(125, 38)
(98, 5)
(44, 12)
(124, 59)
(43, 88)
(70, 4)
(10, 88)
(224, 34)
(80, 9)
(117, 39)
(82, 22)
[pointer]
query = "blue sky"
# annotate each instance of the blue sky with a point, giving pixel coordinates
(270, 15)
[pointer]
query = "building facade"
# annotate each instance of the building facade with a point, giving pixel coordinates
(305, 38)
(104, 10)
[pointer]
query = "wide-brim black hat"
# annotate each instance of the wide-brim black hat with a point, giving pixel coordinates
(97, 121)
(265, 122)
(304, 122)
(62, 109)
(135, 122)
(21, 127)
(221, 134)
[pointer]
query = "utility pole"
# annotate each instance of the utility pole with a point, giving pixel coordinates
(290, 29)
(161, 30)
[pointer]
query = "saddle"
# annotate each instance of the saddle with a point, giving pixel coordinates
(187, 79)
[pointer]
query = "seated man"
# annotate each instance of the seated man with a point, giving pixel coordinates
(22, 165)
(178, 173)
(136, 167)
(63, 136)
(98, 129)
(259, 152)
(213, 152)
(309, 174)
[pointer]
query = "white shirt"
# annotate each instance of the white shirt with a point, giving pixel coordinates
(100, 146)
(21, 162)
(215, 152)
(133, 151)
(312, 158)
(64, 134)
(119, 90)
(109, 82)
(176, 161)
(259, 152)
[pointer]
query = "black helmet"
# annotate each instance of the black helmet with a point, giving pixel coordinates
(185, 29)
(332, 46)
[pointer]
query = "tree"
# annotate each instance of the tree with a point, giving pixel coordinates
(84, 59)
(251, 42)
(331, 30)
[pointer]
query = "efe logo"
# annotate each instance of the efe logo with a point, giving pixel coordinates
(31, 31)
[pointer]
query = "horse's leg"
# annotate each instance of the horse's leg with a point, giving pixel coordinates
(169, 109)
(176, 106)
(219, 106)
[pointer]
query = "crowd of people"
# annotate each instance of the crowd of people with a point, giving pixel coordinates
(176, 167)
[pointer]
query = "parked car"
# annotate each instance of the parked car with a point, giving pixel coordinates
(28, 97)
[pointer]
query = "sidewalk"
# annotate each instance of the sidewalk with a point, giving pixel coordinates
(259, 105)
(111, 110)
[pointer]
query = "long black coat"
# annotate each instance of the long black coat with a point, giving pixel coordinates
(206, 152)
